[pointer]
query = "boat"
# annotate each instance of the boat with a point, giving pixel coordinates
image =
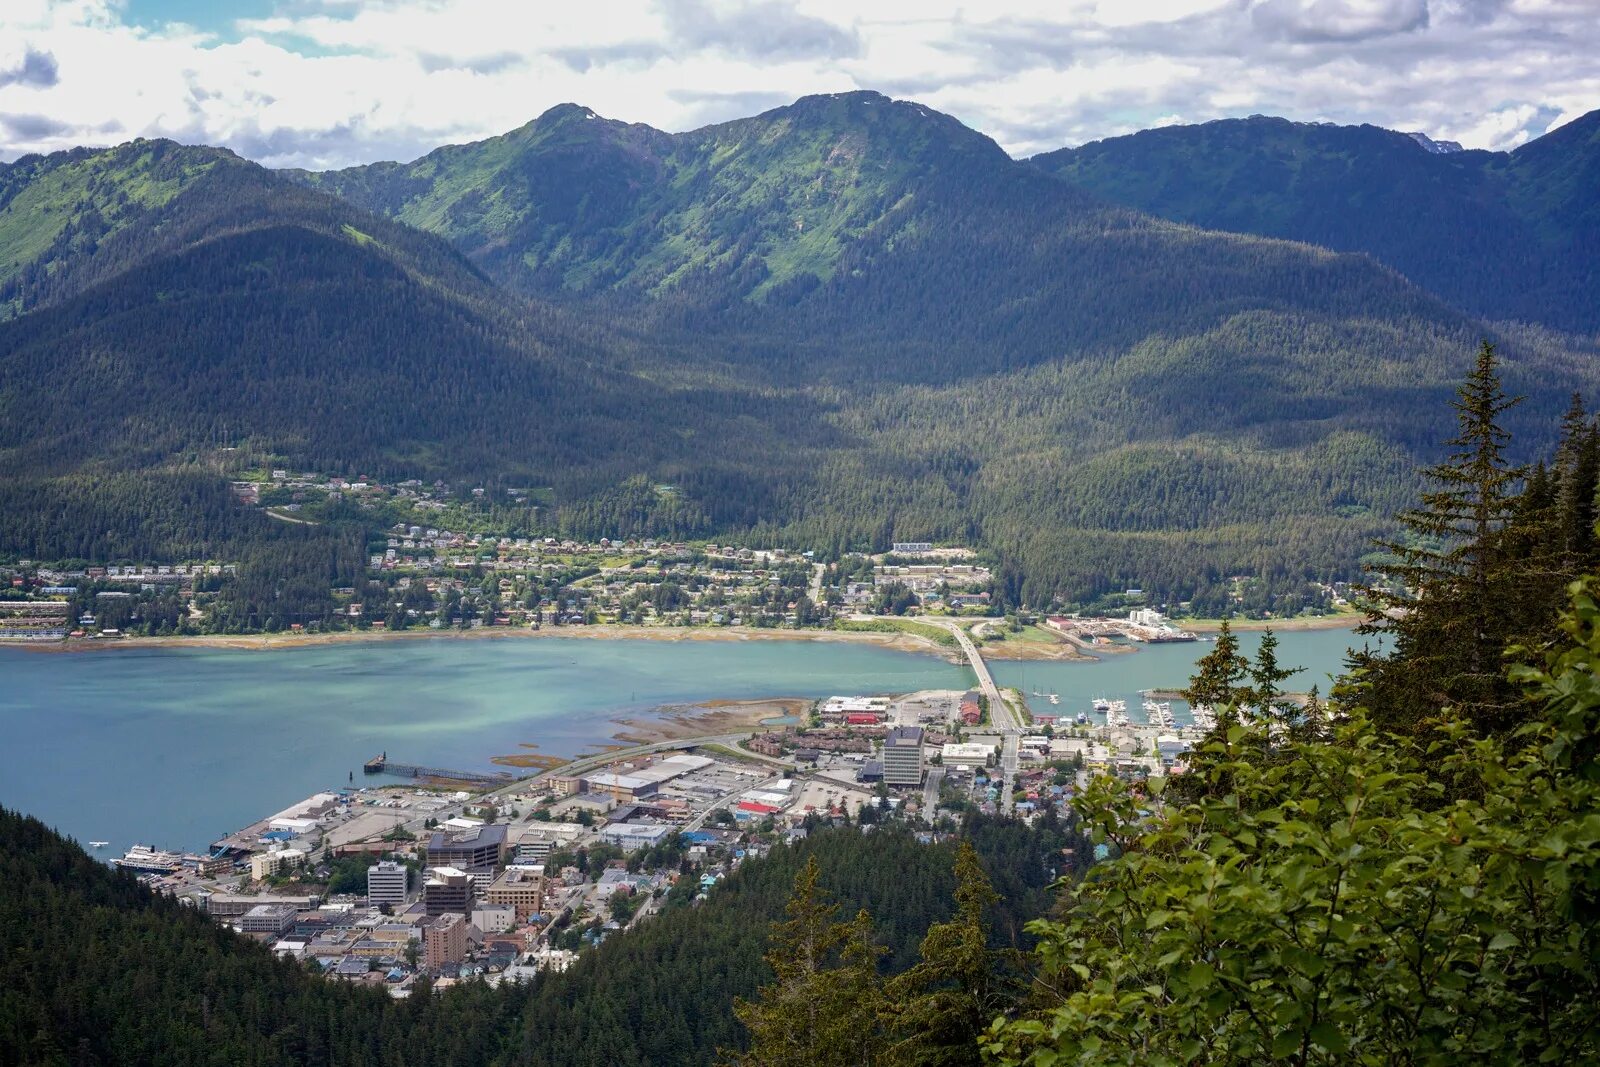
(1159, 713)
(98, 844)
(1083, 720)
(150, 860)
(1055, 698)
(1100, 704)
(1203, 717)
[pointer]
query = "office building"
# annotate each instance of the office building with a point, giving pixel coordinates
(522, 888)
(902, 756)
(447, 889)
(480, 846)
(387, 883)
(444, 940)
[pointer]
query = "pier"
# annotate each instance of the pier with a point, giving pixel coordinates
(383, 765)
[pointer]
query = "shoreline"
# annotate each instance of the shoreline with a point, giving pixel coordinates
(602, 631)
(1348, 621)
(900, 641)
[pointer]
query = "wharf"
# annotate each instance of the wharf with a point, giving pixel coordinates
(383, 765)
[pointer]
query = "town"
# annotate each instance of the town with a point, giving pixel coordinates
(457, 561)
(461, 875)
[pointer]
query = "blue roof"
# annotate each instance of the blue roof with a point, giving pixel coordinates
(277, 835)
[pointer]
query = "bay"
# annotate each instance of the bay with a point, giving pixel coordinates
(177, 746)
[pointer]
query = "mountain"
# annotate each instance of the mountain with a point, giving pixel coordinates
(1503, 235)
(179, 299)
(847, 216)
(832, 325)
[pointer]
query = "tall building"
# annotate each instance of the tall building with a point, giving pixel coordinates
(902, 756)
(447, 890)
(522, 888)
(444, 940)
(387, 884)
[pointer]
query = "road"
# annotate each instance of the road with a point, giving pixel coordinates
(930, 793)
(1001, 715)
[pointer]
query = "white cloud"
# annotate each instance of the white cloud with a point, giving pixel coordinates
(333, 82)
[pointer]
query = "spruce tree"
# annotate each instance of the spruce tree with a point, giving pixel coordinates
(1266, 683)
(823, 1004)
(1451, 623)
(1221, 676)
(940, 1007)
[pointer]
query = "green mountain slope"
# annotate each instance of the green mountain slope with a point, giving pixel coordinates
(840, 323)
(1508, 235)
(846, 236)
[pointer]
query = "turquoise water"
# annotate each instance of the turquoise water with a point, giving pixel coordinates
(178, 747)
(1121, 677)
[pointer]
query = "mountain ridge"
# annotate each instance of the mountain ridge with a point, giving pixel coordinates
(1505, 235)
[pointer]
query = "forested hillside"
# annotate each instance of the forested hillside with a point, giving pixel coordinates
(837, 324)
(99, 970)
(1505, 235)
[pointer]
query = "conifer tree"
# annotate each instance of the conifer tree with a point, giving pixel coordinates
(1266, 682)
(1220, 676)
(940, 1007)
(1451, 624)
(822, 1007)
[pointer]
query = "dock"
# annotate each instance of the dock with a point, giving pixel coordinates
(381, 764)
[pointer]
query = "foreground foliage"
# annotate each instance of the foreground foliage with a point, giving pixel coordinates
(1332, 907)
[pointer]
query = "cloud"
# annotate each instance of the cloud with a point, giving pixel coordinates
(764, 30)
(32, 127)
(1339, 20)
(34, 68)
(324, 83)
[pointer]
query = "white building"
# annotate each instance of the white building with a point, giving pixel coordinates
(966, 754)
(388, 883)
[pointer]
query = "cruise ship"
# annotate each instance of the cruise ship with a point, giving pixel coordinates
(149, 860)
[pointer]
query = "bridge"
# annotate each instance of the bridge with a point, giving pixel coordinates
(1001, 715)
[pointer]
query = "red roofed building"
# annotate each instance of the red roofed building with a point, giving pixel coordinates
(861, 718)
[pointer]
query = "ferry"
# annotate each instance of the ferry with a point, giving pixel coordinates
(150, 860)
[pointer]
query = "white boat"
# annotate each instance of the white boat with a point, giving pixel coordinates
(149, 859)
(1100, 704)
(1055, 698)
(1159, 713)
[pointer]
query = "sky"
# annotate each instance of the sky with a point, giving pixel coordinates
(329, 83)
